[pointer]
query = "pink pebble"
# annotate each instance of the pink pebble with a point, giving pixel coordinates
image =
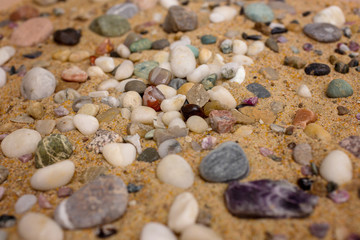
(265, 152)
(64, 192)
(43, 202)
(25, 158)
(339, 196)
(74, 74)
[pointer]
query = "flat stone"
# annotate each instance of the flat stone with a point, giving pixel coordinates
(180, 19)
(227, 162)
(259, 12)
(45, 127)
(208, 39)
(25, 203)
(108, 115)
(110, 26)
(259, 90)
(323, 32)
(302, 154)
(304, 117)
(339, 88)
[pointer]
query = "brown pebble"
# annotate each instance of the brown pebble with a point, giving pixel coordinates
(304, 117)
(289, 130)
(342, 110)
(62, 85)
(24, 13)
(198, 95)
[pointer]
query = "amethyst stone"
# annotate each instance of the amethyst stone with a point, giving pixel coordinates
(268, 199)
(352, 144)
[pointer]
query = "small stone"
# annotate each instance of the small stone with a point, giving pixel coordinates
(197, 95)
(182, 61)
(302, 154)
(24, 13)
(20, 142)
(143, 114)
(333, 15)
(140, 45)
(143, 69)
(268, 198)
(336, 167)
(255, 48)
(78, 56)
(25, 203)
(176, 83)
(2, 193)
(67, 94)
(353, 62)
(74, 74)
(2, 77)
(223, 13)
(36, 226)
(110, 26)
(36, 110)
(149, 155)
(145, 4)
(208, 142)
(6, 53)
(304, 91)
(173, 104)
(89, 109)
(43, 202)
(319, 230)
(259, 12)
(222, 121)
(64, 192)
(258, 90)
(183, 212)
(61, 55)
(342, 110)
(180, 19)
(108, 115)
(174, 170)
(65, 124)
(159, 76)
(4, 173)
(208, 39)
(234, 164)
(125, 10)
(7, 221)
(197, 124)
(103, 137)
(37, 83)
(32, 32)
(45, 127)
(86, 124)
(119, 154)
(269, 73)
(209, 82)
(131, 100)
(91, 173)
(323, 32)
(170, 146)
(339, 88)
(272, 44)
(308, 47)
(316, 131)
(105, 63)
(67, 36)
(156, 231)
(304, 117)
(160, 44)
(198, 74)
(137, 86)
(221, 94)
(341, 67)
(295, 62)
(198, 231)
(205, 55)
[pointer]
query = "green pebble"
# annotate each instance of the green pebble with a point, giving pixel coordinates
(110, 26)
(339, 88)
(208, 39)
(143, 69)
(149, 155)
(194, 49)
(209, 82)
(52, 149)
(140, 45)
(259, 12)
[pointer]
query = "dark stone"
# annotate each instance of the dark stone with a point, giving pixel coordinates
(353, 62)
(176, 83)
(306, 13)
(189, 110)
(7, 221)
(180, 19)
(319, 230)
(317, 69)
(136, 85)
(342, 110)
(160, 44)
(323, 32)
(259, 90)
(305, 183)
(278, 30)
(105, 231)
(132, 188)
(208, 39)
(68, 36)
(32, 55)
(4, 173)
(250, 37)
(149, 155)
(351, 144)
(268, 199)
(225, 163)
(341, 67)
(272, 44)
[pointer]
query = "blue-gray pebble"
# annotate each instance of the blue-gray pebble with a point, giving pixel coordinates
(259, 90)
(259, 12)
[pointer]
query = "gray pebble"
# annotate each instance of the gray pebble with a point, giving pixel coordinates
(302, 154)
(170, 146)
(81, 101)
(323, 32)
(38, 83)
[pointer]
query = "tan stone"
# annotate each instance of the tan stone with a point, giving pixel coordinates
(316, 131)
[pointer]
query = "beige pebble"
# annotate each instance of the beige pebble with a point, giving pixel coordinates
(61, 55)
(123, 51)
(243, 131)
(125, 70)
(161, 57)
(79, 56)
(168, 91)
(173, 104)
(177, 122)
(131, 100)
(205, 55)
(336, 167)
(169, 116)
(143, 114)
(89, 109)
(95, 71)
(45, 127)
(36, 110)
(197, 124)
(135, 57)
(316, 131)
(221, 94)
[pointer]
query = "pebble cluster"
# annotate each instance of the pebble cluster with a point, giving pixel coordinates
(86, 124)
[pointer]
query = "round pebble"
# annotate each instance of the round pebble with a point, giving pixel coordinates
(336, 167)
(119, 154)
(20, 142)
(339, 88)
(25, 203)
(182, 61)
(197, 124)
(37, 83)
(156, 231)
(86, 124)
(143, 114)
(105, 63)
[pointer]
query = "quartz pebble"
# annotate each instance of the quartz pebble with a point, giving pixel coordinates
(304, 91)
(177, 122)
(37, 83)
(197, 124)
(336, 167)
(105, 63)
(53, 176)
(119, 154)
(198, 74)
(183, 212)
(25, 203)
(95, 71)
(156, 231)
(316, 131)
(197, 232)
(174, 170)
(36, 226)
(173, 104)
(89, 109)
(333, 15)
(242, 60)
(143, 114)
(182, 61)
(20, 142)
(221, 94)
(86, 124)
(45, 127)
(67, 94)
(170, 146)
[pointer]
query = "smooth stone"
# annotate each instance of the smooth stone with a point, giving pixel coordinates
(304, 91)
(177, 122)
(302, 154)
(208, 39)
(209, 82)
(323, 32)
(198, 232)
(160, 44)
(229, 70)
(317, 69)
(79, 55)
(67, 36)
(198, 74)
(6, 53)
(143, 114)
(194, 49)
(32, 32)
(180, 19)
(258, 90)
(170, 146)
(66, 94)
(124, 70)
(74, 74)
(130, 100)
(37, 226)
(105, 63)
(20, 142)
(22, 118)
(156, 231)
(159, 76)
(173, 104)
(272, 44)
(336, 167)
(316, 131)
(197, 124)
(110, 26)
(23, 13)
(167, 91)
(269, 73)
(25, 203)
(339, 88)
(183, 212)
(239, 47)
(101, 201)
(89, 109)
(205, 55)
(239, 75)
(37, 83)
(259, 12)
(86, 124)
(169, 3)
(149, 155)
(138, 128)
(175, 170)
(135, 85)
(234, 164)
(53, 176)
(65, 124)
(2, 77)
(125, 10)
(255, 48)
(169, 116)
(341, 67)
(119, 154)
(140, 45)
(176, 83)
(182, 61)
(295, 62)
(4, 173)
(221, 94)
(142, 70)
(52, 149)
(333, 15)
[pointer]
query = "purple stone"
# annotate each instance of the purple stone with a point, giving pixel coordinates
(25, 158)
(265, 152)
(308, 47)
(354, 46)
(43, 202)
(61, 111)
(357, 116)
(268, 199)
(252, 101)
(208, 142)
(282, 39)
(64, 192)
(339, 196)
(319, 230)
(351, 144)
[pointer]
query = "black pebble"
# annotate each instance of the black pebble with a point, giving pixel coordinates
(317, 69)
(33, 55)
(278, 30)
(250, 37)
(132, 188)
(331, 186)
(353, 62)
(305, 183)
(114, 54)
(305, 14)
(341, 67)
(68, 36)
(339, 51)
(7, 221)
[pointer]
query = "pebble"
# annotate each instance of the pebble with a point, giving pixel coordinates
(36, 110)
(176, 83)
(197, 232)
(173, 104)
(239, 47)
(339, 88)
(205, 55)
(194, 49)
(180, 19)
(322, 32)
(222, 121)
(341, 67)
(302, 154)
(271, 43)
(20, 142)
(177, 122)
(304, 91)
(140, 45)
(149, 155)
(86, 124)
(208, 39)
(255, 48)
(234, 164)
(45, 127)
(107, 84)
(23, 118)
(259, 12)
(119, 154)
(2, 77)
(101, 201)
(78, 56)
(317, 69)
(108, 115)
(223, 13)
(304, 117)
(167, 147)
(89, 109)
(221, 94)
(38, 83)
(32, 32)
(145, 4)
(138, 128)
(342, 110)
(242, 60)
(295, 62)
(110, 25)
(160, 44)
(65, 124)
(333, 15)
(175, 170)
(209, 81)
(258, 90)
(198, 74)
(64, 192)
(4, 173)
(74, 74)
(67, 36)
(2, 193)
(37, 226)
(105, 63)
(159, 76)
(167, 91)
(182, 61)
(25, 203)
(6, 53)
(102, 137)
(336, 167)
(143, 114)
(316, 131)
(197, 124)
(156, 231)
(7, 221)
(91, 173)
(197, 95)
(125, 10)
(351, 144)
(183, 212)
(24, 13)
(142, 70)
(43, 202)
(123, 51)
(269, 73)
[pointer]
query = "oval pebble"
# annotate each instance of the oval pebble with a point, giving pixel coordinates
(105, 63)
(333, 15)
(197, 124)
(37, 83)
(170, 146)
(198, 74)
(199, 232)
(25, 203)
(143, 114)
(6, 53)
(119, 154)
(86, 124)
(20, 142)
(182, 61)
(156, 231)
(124, 70)
(169, 116)
(255, 48)
(336, 167)
(221, 94)
(323, 32)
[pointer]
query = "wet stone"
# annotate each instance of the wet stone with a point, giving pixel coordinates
(189, 110)
(125, 10)
(258, 90)
(137, 86)
(4, 173)
(180, 19)
(317, 69)
(351, 144)
(159, 76)
(68, 36)
(295, 62)
(102, 137)
(269, 199)
(222, 121)
(225, 163)
(110, 26)
(323, 32)
(341, 67)
(143, 69)
(149, 155)
(160, 44)
(198, 95)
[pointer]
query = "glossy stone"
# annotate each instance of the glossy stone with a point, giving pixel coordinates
(153, 98)
(317, 69)
(68, 36)
(189, 110)
(159, 76)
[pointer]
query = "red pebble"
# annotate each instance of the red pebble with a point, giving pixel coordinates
(222, 121)
(105, 47)
(303, 117)
(153, 98)
(92, 60)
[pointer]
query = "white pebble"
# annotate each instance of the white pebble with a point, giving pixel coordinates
(20, 142)
(169, 116)
(95, 71)
(227, 12)
(197, 124)
(161, 57)
(125, 113)
(174, 170)
(177, 122)
(218, 59)
(333, 15)
(53, 176)
(119, 154)
(255, 48)
(156, 231)
(229, 70)
(198, 74)
(134, 140)
(157, 122)
(336, 167)
(25, 203)
(123, 51)
(143, 114)
(168, 3)
(2, 77)
(242, 60)
(65, 124)
(165, 65)
(222, 95)
(183, 212)
(131, 100)
(199, 232)
(304, 91)
(125, 70)
(239, 47)
(86, 124)
(216, 17)
(99, 94)
(6, 53)
(239, 76)
(182, 61)
(107, 84)
(37, 226)
(168, 91)
(105, 63)
(173, 104)
(37, 83)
